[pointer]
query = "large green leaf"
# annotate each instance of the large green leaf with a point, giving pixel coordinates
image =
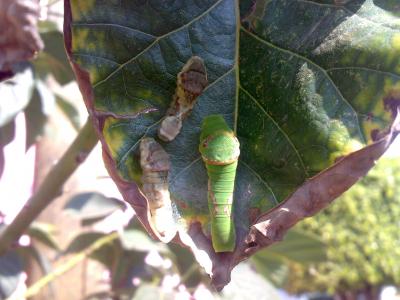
(302, 83)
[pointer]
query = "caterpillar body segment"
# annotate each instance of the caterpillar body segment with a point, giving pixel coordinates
(220, 152)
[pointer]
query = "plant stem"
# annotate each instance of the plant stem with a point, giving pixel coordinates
(68, 265)
(51, 186)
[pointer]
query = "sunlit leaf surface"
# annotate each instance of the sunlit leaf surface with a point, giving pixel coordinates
(302, 83)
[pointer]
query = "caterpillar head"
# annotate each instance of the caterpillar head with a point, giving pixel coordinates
(218, 143)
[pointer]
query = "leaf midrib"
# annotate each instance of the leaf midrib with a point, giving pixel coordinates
(235, 67)
(121, 160)
(157, 40)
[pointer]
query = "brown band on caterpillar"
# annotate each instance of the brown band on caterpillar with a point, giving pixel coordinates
(191, 82)
(155, 165)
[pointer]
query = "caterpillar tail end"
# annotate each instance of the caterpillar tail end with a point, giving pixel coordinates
(224, 235)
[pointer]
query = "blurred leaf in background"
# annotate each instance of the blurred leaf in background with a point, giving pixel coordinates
(92, 207)
(361, 231)
(11, 269)
(247, 284)
(16, 93)
(53, 59)
(14, 263)
(139, 266)
(7, 133)
(297, 248)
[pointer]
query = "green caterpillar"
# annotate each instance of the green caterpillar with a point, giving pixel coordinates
(220, 151)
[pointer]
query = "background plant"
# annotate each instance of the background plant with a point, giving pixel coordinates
(361, 233)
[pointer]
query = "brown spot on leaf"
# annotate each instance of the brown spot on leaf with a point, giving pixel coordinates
(375, 134)
(191, 82)
(195, 80)
(392, 103)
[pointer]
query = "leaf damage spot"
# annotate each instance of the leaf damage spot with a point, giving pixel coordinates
(392, 103)
(256, 12)
(191, 82)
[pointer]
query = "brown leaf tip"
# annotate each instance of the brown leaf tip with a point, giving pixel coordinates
(392, 103)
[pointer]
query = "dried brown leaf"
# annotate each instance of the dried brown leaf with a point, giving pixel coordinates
(19, 36)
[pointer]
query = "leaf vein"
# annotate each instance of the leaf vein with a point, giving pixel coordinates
(279, 128)
(112, 25)
(184, 169)
(262, 180)
(95, 57)
(386, 73)
(123, 158)
(157, 40)
(321, 69)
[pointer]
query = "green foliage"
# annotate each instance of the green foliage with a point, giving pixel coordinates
(361, 230)
(43, 233)
(53, 59)
(70, 111)
(301, 83)
(13, 263)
